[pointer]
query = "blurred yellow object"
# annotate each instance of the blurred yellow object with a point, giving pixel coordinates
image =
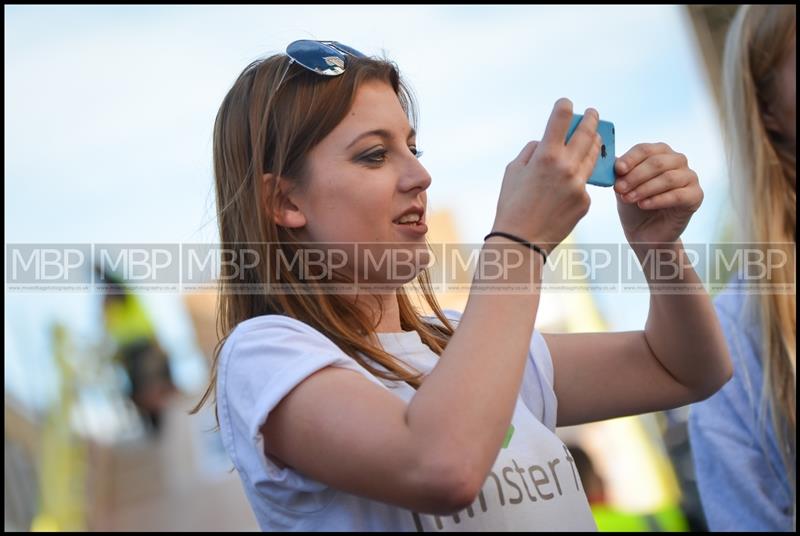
(45, 523)
(126, 319)
(62, 479)
(670, 519)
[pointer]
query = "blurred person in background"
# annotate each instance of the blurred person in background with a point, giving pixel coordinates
(137, 351)
(743, 438)
(611, 519)
(353, 411)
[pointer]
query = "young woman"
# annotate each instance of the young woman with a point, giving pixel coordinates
(743, 438)
(351, 411)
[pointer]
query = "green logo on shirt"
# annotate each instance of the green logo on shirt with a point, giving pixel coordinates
(510, 433)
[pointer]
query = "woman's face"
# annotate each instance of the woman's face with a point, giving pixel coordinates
(360, 184)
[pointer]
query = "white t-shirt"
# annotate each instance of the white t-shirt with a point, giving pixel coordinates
(533, 485)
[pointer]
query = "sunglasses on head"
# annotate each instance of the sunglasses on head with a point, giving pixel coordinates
(328, 58)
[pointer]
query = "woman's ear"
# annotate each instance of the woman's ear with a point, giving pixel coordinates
(286, 213)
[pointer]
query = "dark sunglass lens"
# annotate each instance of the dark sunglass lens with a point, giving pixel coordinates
(349, 50)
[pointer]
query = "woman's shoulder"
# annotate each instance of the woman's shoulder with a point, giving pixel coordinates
(271, 322)
(737, 311)
(275, 332)
(738, 315)
(734, 302)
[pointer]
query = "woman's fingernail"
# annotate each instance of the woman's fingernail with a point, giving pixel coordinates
(632, 196)
(622, 186)
(623, 169)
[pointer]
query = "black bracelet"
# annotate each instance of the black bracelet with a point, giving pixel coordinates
(534, 247)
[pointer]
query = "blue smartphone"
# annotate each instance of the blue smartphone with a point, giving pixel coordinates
(603, 173)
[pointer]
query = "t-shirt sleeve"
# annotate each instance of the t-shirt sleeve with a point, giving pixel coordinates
(537, 381)
(261, 362)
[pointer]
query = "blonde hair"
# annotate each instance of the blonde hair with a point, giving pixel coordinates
(764, 171)
(269, 121)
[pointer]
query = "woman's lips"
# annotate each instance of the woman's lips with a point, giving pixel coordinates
(413, 229)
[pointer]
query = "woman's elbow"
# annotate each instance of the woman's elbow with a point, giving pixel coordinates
(459, 496)
(451, 490)
(716, 382)
(726, 369)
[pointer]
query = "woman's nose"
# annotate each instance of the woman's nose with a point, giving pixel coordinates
(415, 177)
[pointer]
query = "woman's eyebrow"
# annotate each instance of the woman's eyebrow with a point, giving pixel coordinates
(383, 133)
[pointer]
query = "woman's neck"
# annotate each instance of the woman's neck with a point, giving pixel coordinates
(390, 318)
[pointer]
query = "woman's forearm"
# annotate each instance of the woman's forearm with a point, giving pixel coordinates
(682, 328)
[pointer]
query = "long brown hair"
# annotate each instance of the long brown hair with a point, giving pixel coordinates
(273, 116)
(764, 169)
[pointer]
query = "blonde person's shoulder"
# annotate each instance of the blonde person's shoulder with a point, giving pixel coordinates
(452, 315)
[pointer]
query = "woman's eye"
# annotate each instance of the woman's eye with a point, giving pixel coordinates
(379, 157)
(375, 158)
